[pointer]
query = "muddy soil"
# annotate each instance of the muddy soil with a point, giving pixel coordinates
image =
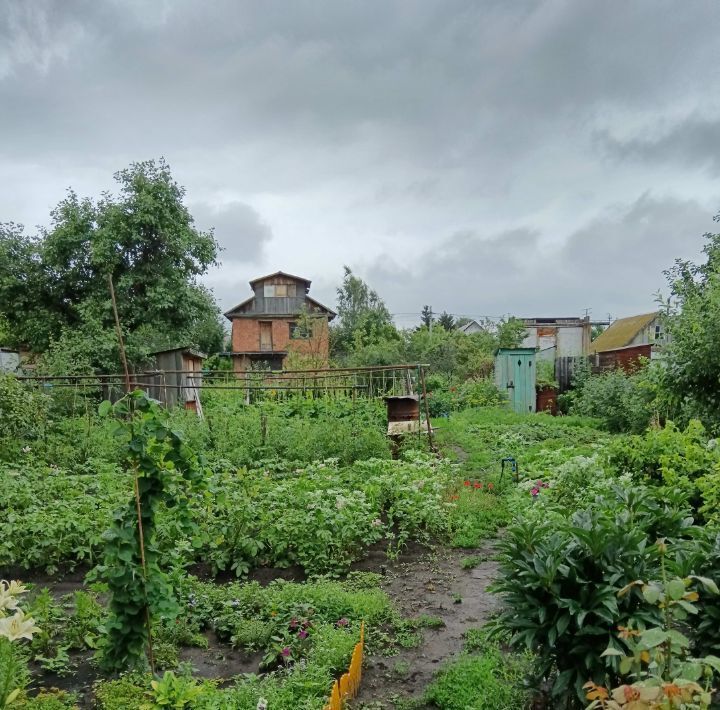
(435, 584)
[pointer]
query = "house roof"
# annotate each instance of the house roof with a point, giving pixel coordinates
(469, 324)
(228, 314)
(621, 332)
(281, 273)
(562, 320)
(329, 311)
(233, 311)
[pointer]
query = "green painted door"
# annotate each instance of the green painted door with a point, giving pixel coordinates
(515, 375)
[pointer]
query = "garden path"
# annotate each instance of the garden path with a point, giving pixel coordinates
(431, 583)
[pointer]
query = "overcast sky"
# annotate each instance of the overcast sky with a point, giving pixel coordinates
(486, 157)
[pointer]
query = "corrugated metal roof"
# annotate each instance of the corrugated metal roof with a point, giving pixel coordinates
(621, 332)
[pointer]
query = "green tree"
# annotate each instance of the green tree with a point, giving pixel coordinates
(510, 332)
(54, 290)
(693, 355)
(446, 321)
(364, 319)
(426, 316)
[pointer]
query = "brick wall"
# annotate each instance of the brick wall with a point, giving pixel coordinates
(246, 337)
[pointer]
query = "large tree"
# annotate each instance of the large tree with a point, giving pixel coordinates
(364, 317)
(692, 375)
(54, 287)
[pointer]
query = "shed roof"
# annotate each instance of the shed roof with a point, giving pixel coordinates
(621, 332)
(184, 349)
(281, 273)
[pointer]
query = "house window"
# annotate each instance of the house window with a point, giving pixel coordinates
(658, 332)
(298, 332)
(279, 290)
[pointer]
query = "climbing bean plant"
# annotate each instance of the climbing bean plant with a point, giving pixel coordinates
(165, 470)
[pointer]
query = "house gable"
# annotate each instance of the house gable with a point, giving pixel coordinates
(278, 295)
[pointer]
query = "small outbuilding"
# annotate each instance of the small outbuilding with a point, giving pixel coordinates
(515, 376)
(176, 377)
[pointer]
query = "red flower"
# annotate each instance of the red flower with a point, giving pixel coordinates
(490, 486)
(478, 485)
(467, 483)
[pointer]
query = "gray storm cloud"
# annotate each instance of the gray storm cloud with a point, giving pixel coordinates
(558, 153)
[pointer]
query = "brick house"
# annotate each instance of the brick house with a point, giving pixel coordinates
(267, 326)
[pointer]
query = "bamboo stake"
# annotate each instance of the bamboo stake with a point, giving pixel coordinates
(138, 507)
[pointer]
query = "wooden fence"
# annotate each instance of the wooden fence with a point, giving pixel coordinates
(349, 683)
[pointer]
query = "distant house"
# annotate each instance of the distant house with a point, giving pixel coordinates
(555, 338)
(627, 340)
(472, 326)
(266, 327)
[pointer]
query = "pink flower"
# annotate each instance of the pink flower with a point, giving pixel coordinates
(535, 491)
(285, 653)
(302, 634)
(293, 623)
(343, 622)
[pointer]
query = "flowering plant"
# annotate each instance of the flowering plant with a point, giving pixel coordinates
(14, 625)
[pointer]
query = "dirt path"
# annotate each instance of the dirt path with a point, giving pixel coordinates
(434, 584)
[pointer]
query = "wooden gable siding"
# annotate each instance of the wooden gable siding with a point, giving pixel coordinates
(276, 305)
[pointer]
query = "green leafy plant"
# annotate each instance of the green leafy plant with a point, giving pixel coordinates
(163, 466)
(559, 578)
(173, 691)
(658, 658)
(489, 679)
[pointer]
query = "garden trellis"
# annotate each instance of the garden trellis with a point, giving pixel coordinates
(254, 385)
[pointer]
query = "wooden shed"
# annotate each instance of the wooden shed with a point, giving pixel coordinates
(176, 377)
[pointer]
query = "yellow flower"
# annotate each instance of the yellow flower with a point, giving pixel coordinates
(18, 626)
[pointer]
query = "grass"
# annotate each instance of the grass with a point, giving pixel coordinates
(472, 561)
(489, 680)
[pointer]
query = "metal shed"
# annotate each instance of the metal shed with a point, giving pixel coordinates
(515, 375)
